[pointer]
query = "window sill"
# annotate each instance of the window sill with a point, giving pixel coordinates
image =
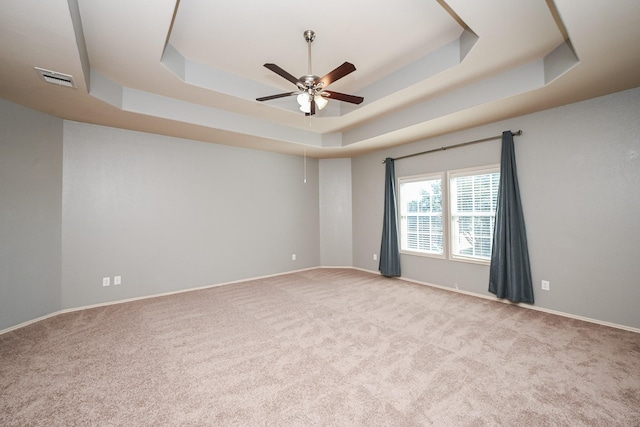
(469, 260)
(423, 254)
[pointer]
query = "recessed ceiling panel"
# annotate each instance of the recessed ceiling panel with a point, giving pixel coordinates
(378, 38)
(416, 69)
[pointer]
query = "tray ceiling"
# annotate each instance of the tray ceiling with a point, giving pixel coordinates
(193, 68)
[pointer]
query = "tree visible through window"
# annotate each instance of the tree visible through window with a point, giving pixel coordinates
(421, 215)
(473, 208)
(468, 201)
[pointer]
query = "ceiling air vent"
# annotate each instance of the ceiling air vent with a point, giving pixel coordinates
(55, 77)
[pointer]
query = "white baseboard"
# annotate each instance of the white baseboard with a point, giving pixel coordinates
(29, 322)
(446, 288)
(122, 301)
(529, 306)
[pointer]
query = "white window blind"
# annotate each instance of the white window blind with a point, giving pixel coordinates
(421, 215)
(473, 199)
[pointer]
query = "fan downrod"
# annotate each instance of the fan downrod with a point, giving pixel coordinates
(309, 80)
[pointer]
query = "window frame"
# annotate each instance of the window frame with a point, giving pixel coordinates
(416, 178)
(447, 211)
(457, 173)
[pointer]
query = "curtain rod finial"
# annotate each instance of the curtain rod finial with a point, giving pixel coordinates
(518, 132)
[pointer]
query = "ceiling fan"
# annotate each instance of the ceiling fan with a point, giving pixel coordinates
(312, 91)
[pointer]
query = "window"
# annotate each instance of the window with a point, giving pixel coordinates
(468, 200)
(421, 215)
(473, 199)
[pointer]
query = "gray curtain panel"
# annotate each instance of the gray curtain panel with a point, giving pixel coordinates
(510, 273)
(389, 250)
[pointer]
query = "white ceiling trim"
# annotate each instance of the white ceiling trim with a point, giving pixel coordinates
(425, 67)
(526, 78)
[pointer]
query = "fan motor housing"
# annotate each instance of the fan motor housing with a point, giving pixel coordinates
(308, 80)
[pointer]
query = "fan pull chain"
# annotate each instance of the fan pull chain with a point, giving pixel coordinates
(305, 165)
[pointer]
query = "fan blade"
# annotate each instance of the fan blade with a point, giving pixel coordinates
(336, 74)
(280, 95)
(282, 73)
(343, 97)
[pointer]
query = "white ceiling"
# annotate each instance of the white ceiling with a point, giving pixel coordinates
(193, 68)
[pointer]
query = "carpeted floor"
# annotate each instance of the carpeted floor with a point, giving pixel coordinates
(325, 347)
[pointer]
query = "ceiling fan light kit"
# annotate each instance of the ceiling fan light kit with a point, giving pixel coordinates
(312, 94)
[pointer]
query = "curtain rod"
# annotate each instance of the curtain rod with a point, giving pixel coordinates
(491, 138)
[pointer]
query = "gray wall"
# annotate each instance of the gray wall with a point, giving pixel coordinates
(579, 174)
(169, 214)
(335, 213)
(30, 214)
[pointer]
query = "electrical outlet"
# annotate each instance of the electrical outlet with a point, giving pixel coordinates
(106, 281)
(117, 280)
(375, 257)
(293, 257)
(545, 285)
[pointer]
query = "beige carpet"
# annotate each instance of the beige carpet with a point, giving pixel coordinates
(326, 347)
